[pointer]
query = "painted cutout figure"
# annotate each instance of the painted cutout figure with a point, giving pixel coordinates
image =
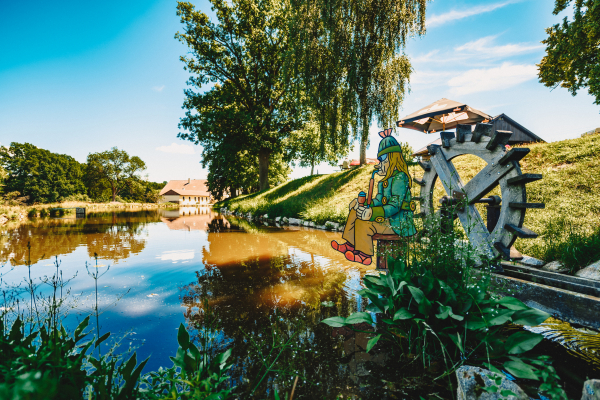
(390, 212)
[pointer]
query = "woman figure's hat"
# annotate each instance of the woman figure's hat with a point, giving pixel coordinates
(388, 144)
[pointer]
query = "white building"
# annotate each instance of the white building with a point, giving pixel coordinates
(192, 192)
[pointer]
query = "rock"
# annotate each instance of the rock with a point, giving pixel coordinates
(592, 271)
(277, 219)
(286, 220)
(322, 227)
(266, 216)
(471, 379)
(333, 225)
(531, 262)
(591, 390)
(295, 221)
(312, 224)
(555, 266)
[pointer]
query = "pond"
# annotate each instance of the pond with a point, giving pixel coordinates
(161, 268)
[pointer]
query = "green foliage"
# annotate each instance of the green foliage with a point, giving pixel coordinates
(439, 309)
(114, 168)
(575, 248)
(50, 363)
(572, 57)
(361, 70)
(39, 174)
(32, 213)
(81, 197)
(309, 149)
(194, 375)
(250, 107)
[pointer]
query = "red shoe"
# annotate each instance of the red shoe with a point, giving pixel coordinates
(342, 248)
(359, 257)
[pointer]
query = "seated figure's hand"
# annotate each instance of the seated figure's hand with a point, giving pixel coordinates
(353, 204)
(364, 213)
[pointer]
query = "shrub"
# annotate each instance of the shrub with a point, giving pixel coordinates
(43, 213)
(82, 197)
(32, 213)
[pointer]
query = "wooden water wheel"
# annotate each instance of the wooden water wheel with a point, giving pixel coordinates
(502, 170)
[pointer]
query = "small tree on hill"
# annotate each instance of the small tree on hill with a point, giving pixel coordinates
(115, 168)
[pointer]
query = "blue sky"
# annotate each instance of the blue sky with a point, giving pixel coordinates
(80, 77)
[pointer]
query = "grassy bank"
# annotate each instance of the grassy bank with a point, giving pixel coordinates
(570, 189)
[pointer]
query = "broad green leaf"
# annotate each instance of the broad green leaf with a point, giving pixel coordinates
(530, 317)
(222, 358)
(183, 337)
(520, 370)
(359, 317)
(444, 311)
(506, 393)
(373, 308)
(403, 313)
(372, 342)
(456, 317)
(336, 322)
(512, 303)
(425, 306)
(492, 368)
(475, 323)
(416, 293)
(521, 342)
(499, 317)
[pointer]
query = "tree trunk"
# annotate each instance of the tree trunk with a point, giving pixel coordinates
(364, 139)
(312, 168)
(114, 193)
(264, 157)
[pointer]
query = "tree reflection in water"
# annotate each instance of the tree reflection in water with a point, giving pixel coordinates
(266, 299)
(113, 236)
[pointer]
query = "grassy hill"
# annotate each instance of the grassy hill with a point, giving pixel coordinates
(570, 189)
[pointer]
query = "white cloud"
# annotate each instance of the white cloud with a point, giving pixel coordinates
(485, 47)
(175, 148)
(158, 88)
(176, 255)
(482, 80)
(440, 19)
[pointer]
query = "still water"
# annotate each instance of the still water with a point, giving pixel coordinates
(162, 268)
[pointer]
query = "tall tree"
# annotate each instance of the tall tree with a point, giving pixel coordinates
(116, 169)
(350, 54)
(39, 174)
(572, 57)
(243, 53)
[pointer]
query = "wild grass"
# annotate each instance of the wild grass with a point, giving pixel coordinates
(570, 189)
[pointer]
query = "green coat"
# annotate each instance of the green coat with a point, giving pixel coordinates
(392, 204)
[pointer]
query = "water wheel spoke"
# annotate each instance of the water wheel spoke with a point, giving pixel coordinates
(485, 181)
(469, 216)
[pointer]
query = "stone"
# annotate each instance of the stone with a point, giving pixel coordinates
(471, 379)
(591, 390)
(277, 219)
(592, 271)
(531, 262)
(312, 224)
(555, 266)
(266, 216)
(286, 221)
(295, 221)
(334, 225)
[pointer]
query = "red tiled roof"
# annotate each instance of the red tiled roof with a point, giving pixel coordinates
(193, 187)
(354, 163)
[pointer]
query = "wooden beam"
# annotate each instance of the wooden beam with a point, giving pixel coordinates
(524, 179)
(514, 204)
(499, 138)
(481, 130)
(461, 132)
(522, 232)
(446, 138)
(425, 166)
(516, 154)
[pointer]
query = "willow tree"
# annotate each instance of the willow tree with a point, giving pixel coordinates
(350, 54)
(243, 51)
